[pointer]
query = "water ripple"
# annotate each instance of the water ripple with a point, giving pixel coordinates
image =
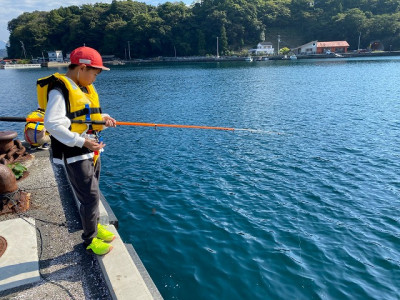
(308, 214)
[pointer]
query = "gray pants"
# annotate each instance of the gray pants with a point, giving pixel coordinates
(84, 177)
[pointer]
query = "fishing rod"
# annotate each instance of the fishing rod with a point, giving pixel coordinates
(155, 125)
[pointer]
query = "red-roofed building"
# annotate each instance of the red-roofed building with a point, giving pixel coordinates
(336, 46)
(316, 47)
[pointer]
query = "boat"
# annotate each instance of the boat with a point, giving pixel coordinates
(248, 58)
(293, 57)
(20, 66)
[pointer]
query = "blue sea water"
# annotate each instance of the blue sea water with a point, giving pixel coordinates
(306, 209)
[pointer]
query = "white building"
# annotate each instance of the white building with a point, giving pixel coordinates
(55, 56)
(309, 48)
(263, 48)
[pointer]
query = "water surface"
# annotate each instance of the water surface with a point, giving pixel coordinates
(307, 209)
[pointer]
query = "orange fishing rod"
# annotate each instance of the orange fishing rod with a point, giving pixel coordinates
(173, 125)
(155, 125)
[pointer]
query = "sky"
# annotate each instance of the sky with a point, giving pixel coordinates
(10, 9)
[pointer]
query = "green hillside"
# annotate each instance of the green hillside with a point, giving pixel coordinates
(163, 30)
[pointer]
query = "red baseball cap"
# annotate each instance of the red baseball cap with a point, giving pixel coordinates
(87, 56)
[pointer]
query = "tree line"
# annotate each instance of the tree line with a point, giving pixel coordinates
(130, 29)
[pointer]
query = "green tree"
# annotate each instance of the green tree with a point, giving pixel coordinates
(224, 41)
(201, 46)
(349, 24)
(31, 31)
(275, 13)
(284, 51)
(177, 19)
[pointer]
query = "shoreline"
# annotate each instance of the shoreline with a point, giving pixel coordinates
(188, 59)
(191, 59)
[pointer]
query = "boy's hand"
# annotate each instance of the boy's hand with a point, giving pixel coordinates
(93, 145)
(110, 122)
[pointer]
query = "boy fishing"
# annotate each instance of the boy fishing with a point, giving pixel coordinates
(73, 97)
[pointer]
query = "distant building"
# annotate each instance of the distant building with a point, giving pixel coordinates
(336, 46)
(263, 48)
(55, 56)
(309, 48)
(316, 47)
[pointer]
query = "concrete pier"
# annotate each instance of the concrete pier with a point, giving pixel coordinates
(49, 260)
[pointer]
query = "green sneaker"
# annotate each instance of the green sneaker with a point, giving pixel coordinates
(104, 234)
(99, 247)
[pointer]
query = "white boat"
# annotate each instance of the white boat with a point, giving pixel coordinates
(248, 58)
(20, 66)
(293, 56)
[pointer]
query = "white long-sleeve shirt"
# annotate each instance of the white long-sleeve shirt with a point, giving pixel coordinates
(57, 123)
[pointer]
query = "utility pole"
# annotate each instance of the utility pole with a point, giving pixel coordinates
(279, 40)
(129, 50)
(359, 38)
(175, 50)
(217, 49)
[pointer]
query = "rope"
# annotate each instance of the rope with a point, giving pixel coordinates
(10, 198)
(37, 124)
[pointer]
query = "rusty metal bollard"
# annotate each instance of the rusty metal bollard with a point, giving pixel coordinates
(11, 150)
(6, 140)
(11, 198)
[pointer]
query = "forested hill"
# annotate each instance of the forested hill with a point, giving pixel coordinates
(149, 31)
